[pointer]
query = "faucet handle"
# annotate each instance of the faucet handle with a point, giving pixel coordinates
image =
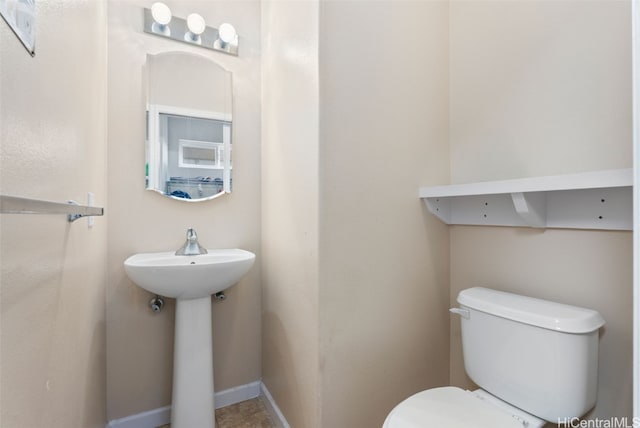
(191, 234)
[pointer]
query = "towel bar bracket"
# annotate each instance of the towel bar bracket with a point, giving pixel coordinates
(73, 217)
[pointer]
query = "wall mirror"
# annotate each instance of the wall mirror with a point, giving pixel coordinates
(188, 145)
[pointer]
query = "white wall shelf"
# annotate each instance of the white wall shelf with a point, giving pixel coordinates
(591, 200)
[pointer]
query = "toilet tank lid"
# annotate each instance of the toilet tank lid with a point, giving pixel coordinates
(528, 310)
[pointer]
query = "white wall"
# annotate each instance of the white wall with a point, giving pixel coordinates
(52, 273)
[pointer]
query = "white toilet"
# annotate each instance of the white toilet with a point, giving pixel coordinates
(535, 360)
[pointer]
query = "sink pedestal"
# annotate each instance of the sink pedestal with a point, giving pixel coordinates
(191, 280)
(192, 401)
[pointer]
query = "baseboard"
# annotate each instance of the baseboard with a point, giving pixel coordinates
(158, 417)
(274, 411)
(236, 395)
(149, 419)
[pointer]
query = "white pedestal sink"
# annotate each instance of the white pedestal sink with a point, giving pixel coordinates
(191, 280)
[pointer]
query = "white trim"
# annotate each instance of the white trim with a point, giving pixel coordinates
(635, 5)
(151, 418)
(237, 394)
(591, 200)
(274, 411)
(162, 416)
(585, 180)
(190, 112)
(226, 158)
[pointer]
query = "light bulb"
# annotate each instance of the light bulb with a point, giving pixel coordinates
(161, 13)
(196, 24)
(227, 33)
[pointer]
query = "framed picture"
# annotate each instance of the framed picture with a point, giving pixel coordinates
(20, 15)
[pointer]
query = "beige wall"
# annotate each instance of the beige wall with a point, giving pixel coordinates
(541, 88)
(140, 344)
(53, 147)
(383, 261)
(290, 222)
(351, 260)
(355, 273)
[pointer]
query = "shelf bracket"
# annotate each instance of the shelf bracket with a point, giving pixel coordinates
(531, 207)
(440, 207)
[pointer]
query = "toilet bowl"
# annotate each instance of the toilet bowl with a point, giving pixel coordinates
(451, 407)
(535, 362)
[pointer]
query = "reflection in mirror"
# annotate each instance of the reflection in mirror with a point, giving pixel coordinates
(188, 127)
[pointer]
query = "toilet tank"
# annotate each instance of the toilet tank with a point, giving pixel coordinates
(539, 356)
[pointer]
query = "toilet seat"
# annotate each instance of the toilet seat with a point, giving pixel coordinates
(449, 407)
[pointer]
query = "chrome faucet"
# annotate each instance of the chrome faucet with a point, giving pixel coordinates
(191, 246)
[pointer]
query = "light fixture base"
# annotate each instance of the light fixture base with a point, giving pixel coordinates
(209, 39)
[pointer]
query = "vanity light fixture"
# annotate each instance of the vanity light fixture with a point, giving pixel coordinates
(227, 36)
(196, 26)
(161, 15)
(159, 21)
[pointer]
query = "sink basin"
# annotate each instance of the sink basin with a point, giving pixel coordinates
(188, 277)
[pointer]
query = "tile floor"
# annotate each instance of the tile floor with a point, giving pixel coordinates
(247, 414)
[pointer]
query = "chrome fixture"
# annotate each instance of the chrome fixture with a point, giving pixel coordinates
(191, 246)
(227, 38)
(161, 15)
(220, 296)
(159, 21)
(196, 26)
(156, 304)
